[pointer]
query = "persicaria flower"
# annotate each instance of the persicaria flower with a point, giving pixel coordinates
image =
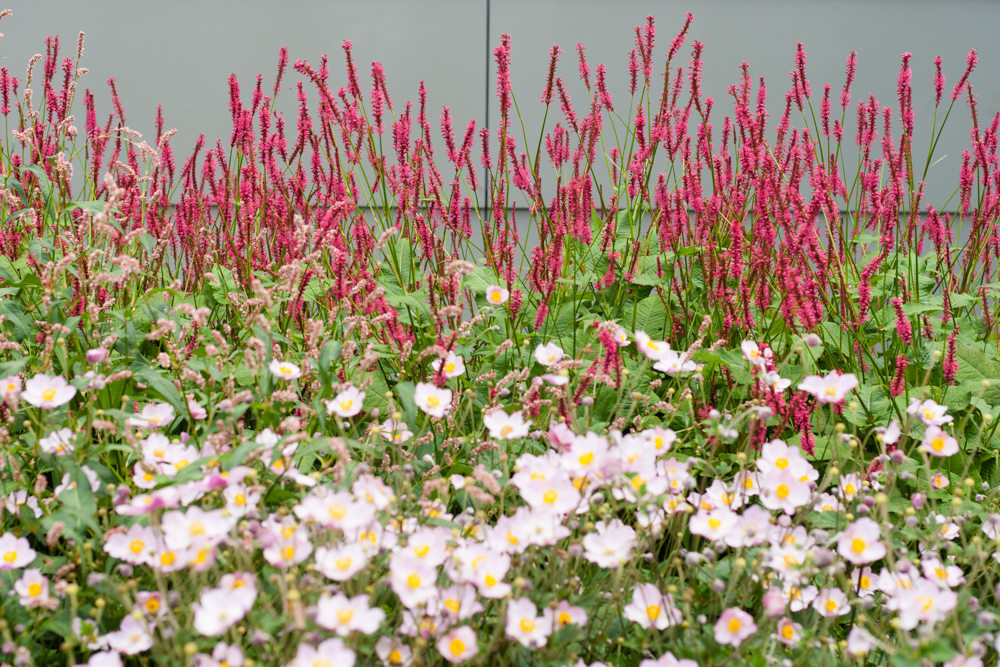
(46, 392)
(860, 543)
(734, 626)
(284, 370)
(938, 443)
(830, 389)
(347, 403)
(497, 295)
(432, 400)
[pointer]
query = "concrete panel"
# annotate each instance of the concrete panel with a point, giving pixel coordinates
(180, 54)
(764, 33)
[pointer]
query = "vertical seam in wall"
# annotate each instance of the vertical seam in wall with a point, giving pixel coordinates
(486, 109)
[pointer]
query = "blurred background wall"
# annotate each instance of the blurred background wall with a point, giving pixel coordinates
(179, 54)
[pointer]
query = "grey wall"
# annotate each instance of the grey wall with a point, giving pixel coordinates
(179, 54)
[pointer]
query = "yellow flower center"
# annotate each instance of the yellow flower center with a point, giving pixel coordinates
(497, 297)
(653, 611)
(865, 582)
(449, 367)
(457, 646)
(413, 581)
(337, 511)
(197, 528)
(343, 563)
(346, 404)
(433, 401)
(240, 499)
(505, 431)
(734, 625)
(586, 458)
(831, 605)
(152, 605)
(452, 604)
(34, 590)
(550, 496)
(168, 558)
(564, 618)
(490, 581)
(395, 657)
(783, 490)
(715, 523)
(788, 632)
(850, 490)
(48, 394)
(421, 550)
(937, 444)
(527, 624)
(344, 616)
(288, 553)
(135, 546)
(858, 545)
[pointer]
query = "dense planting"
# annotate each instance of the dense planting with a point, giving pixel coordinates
(308, 400)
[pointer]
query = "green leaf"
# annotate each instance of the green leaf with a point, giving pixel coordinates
(974, 367)
(163, 387)
(405, 392)
(329, 354)
(650, 316)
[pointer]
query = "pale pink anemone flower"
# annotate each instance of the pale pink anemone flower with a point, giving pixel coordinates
(497, 296)
(860, 542)
(734, 626)
(830, 389)
(506, 427)
(46, 392)
(347, 403)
